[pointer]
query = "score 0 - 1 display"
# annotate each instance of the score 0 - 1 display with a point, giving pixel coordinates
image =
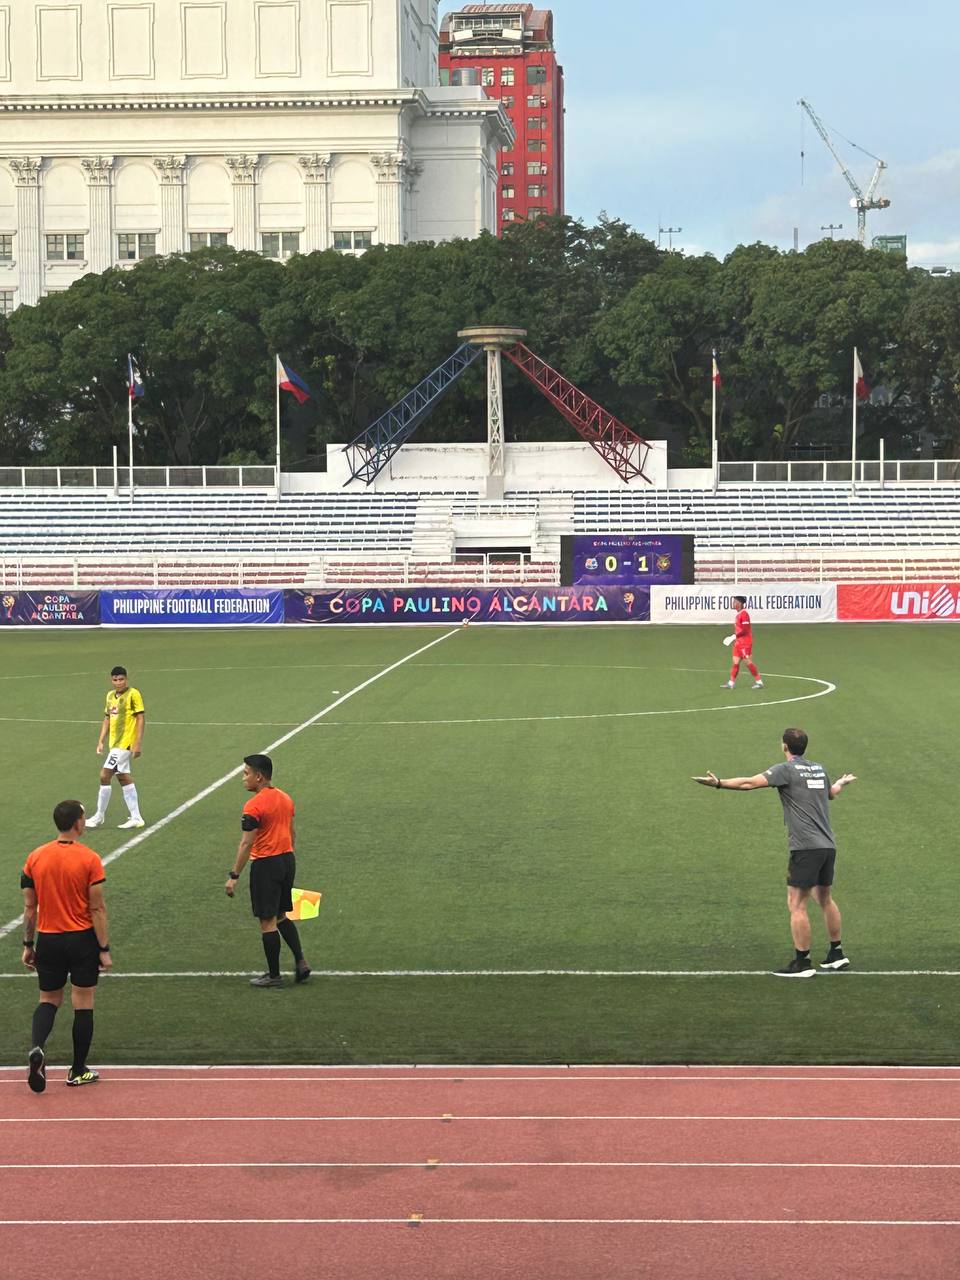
(626, 560)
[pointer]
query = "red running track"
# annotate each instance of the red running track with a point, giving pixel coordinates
(480, 1173)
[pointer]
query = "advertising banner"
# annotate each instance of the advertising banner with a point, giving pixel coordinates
(626, 560)
(766, 602)
(898, 602)
(449, 605)
(50, 609)
(192, 606)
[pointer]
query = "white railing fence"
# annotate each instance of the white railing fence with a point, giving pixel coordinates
(904, 471)
(106, 478)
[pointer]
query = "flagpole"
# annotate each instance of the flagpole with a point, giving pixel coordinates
(276, 379)
(853, 447)
(130, 437)
(714, 456)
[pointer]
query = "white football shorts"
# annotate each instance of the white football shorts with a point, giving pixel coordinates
(118, 759)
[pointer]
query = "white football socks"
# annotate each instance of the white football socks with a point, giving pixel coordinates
(103, 799)
(133, 804)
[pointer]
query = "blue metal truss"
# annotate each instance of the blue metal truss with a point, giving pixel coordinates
(373, 448)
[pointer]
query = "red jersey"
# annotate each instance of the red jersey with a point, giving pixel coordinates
(741, 625)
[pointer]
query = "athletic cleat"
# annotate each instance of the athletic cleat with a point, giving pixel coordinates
(265, 980)
(130, 824)
(797, 969)
(37, 1079)
(835, 960)
(86, 1076)
(757, 684)
(727, 684)
(303, 972)
(95, 820)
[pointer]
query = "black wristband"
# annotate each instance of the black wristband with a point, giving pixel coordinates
(719, 787)
(234, 875)
(31, 944)
(104, 948)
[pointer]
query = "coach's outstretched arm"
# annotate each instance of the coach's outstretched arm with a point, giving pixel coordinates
(733, 784)
(840, 783)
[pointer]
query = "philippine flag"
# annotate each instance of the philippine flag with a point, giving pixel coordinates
(717, 380)
(289, 380)
(134, 379)
(860, 382)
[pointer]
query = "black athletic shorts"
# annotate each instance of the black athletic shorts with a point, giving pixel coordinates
(271, 880)
(809, 867)
(63, 955)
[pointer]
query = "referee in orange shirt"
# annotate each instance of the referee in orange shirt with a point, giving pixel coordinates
(267, 840)
(64, 935)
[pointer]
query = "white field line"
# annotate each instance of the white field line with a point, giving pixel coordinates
(11, 925)
(424, 1221)
(114, 976)
(430, 1165)
(450, 1117)
(424, 1078)
(559, 1071)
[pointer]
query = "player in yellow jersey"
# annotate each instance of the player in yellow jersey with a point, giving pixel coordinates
(123, 720)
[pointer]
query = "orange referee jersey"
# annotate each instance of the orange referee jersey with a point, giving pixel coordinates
(272, 810)
(61, 873)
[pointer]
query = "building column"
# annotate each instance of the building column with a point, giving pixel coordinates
(172, 235)
(26, 174)
(412, 173)
(316, 186)
(99, 171)
(243, 173)
(390, 178)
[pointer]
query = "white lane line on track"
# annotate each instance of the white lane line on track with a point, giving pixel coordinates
(480, 1222)
(517, 973)
(448, 1117)
(480, 1164)
(234, 773)
(429, 1079)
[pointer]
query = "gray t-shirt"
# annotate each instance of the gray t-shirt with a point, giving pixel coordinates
(804, 791)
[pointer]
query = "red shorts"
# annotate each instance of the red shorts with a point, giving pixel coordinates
(743, 647)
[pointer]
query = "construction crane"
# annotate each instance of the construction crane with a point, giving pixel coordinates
(861, 202)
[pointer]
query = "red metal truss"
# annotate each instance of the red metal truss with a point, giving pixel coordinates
(622, 448)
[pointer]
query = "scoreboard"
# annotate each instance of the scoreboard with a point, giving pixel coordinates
(626, 560)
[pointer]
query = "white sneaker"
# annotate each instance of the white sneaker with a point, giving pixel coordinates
(95, 820)
(131, 823)
(728, 684)
(758, 684)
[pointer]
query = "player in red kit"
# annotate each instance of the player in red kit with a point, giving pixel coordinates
(742, 641)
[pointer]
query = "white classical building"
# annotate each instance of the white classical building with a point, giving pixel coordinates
(283, 126)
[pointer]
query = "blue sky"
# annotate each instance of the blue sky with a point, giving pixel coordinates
(685, 114)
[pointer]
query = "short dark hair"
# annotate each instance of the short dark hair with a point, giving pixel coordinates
(260, 764)
(739, 599)
(67, 814)
(119, 671)
(795, 740)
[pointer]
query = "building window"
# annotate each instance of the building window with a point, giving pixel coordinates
(445, 76)
(535, 100)
(536, 191)
(536, 123)
(6, 248)
(135, 245)
(536, 144)
(506, 75)
(352, 241)
(465, 76)
(64, 248)
(506, 146)
(536, 213)
(508, 215)
(488, 76)
(506, 169)
(6, 302)
(536, 169)
(508, 101)
(507, 192)
(207, 240)
(536, 75)
(279, 244)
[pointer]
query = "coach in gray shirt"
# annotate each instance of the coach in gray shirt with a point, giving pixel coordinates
(805, 793)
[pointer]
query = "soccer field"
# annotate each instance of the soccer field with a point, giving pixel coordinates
(506, 802)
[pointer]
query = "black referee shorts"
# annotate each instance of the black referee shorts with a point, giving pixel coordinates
(809, 868)
(67, 955)
(271, 883)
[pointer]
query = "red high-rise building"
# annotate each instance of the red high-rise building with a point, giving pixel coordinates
(508, 50)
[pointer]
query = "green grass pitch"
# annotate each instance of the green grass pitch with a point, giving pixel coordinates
(498, 803)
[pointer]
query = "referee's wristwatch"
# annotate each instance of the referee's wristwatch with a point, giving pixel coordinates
(30, 943)
(103, 947)
(233, 875)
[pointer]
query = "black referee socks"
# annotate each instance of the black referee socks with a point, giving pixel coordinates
(271, 949)
(289, 933)
(43, 1016)
(82, 1038)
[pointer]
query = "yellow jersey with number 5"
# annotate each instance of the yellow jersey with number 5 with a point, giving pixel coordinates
(122, 711)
